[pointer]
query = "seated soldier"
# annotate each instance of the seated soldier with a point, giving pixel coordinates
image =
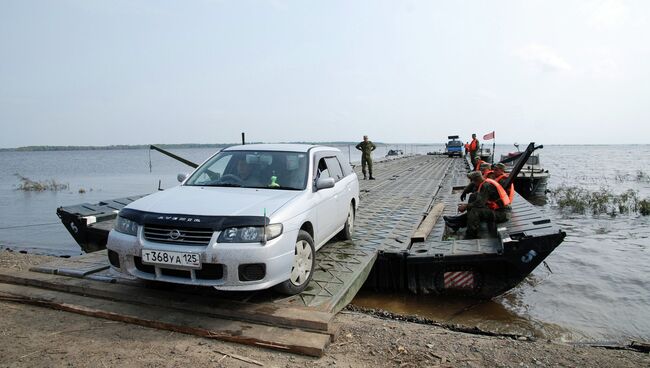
(501, 177)
(491, 205)
(471, 188)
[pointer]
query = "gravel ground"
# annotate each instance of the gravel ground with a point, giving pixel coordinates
(39, 337)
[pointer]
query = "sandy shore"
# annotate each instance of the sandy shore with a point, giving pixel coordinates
(39, 337)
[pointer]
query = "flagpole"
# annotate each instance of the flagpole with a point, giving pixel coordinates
(494, 143)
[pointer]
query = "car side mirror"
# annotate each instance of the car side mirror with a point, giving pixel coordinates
(181, 177)
(324, 183)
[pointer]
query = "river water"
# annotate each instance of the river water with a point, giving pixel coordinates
(595, 288)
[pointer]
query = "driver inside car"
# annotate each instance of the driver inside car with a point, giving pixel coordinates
(246, 173)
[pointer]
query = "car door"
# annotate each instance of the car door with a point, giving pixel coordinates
(342, 202)
(326, 204)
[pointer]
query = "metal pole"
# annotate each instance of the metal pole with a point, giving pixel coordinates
(243, 140)
(349, 155)
(186, 162)
(494, 144)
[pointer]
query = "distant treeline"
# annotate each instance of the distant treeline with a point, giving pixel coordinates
(146, 146)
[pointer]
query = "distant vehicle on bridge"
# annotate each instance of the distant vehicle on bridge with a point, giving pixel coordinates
(454, 147)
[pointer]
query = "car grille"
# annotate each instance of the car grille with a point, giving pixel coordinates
(208, 271)
(175, 235)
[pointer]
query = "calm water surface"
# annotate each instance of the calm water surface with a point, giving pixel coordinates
(596, 288)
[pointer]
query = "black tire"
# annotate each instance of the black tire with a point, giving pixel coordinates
(302, 268)
(348, 229)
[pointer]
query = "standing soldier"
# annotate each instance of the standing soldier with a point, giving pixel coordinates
(366, 147)
(473, 150)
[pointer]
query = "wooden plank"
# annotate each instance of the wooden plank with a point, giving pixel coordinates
(426, 226)
(265, 313)
(288, 340)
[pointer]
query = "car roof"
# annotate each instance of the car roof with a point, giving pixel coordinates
(290, 147)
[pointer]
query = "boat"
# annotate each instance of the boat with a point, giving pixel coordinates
(444, 263)
(394, 152)
(89, 223)
(531, 182)
(485, 153)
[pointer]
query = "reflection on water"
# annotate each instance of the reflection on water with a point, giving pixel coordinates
(487, 315)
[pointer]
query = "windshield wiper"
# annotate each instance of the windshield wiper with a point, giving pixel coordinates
(281, 187)
(222, 185)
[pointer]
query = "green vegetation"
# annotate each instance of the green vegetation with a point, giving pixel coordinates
(26, 184)
(579, 200)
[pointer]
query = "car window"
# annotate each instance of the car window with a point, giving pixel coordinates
(334, 168)
(323, 171)
(253, 169)
(212, 170)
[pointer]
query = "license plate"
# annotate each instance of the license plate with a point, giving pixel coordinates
(161, 257)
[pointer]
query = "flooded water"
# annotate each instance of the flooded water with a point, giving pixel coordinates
(596, 288)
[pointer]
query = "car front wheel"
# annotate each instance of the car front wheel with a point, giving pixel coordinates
(302, 268)
(348, 229)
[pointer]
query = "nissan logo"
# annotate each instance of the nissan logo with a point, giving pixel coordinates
(175, 234)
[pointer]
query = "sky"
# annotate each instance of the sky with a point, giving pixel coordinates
(86, 72)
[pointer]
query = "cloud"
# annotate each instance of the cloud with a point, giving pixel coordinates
(608, 13)
(543, 57)
(606, 68)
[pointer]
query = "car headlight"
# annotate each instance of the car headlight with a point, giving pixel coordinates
(250, 234)
(126, 226)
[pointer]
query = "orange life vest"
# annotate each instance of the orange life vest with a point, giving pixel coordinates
(503, 196)
(477, 167)
(474, 145)
(466, 147)
(511, 190)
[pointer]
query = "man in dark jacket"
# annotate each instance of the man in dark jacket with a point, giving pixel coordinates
(366, 147)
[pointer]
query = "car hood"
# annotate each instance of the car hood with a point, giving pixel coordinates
(214, 201)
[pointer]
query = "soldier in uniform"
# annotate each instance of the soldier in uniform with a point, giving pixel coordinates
(491, 205)
(366, 147)
(502, 177)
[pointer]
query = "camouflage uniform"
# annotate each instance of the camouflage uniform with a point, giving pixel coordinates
(366, 148)
(478, 211)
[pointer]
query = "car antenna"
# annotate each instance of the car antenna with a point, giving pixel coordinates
(264, 236)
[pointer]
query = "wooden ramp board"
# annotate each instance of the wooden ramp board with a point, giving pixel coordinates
(77, 266)
(426, 226)
(193, 304)
(284, 339)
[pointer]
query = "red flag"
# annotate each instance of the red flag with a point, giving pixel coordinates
(488, 136)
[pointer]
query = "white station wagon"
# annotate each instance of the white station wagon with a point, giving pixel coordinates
(250, 217)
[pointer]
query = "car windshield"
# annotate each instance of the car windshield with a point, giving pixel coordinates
(455, 143)
(253, 169)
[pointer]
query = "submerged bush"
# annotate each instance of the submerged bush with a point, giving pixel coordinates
(579, 200)
(29, 185)
(644, 207)
(572, 198)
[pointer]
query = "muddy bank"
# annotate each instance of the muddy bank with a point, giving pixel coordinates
(37, 337)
